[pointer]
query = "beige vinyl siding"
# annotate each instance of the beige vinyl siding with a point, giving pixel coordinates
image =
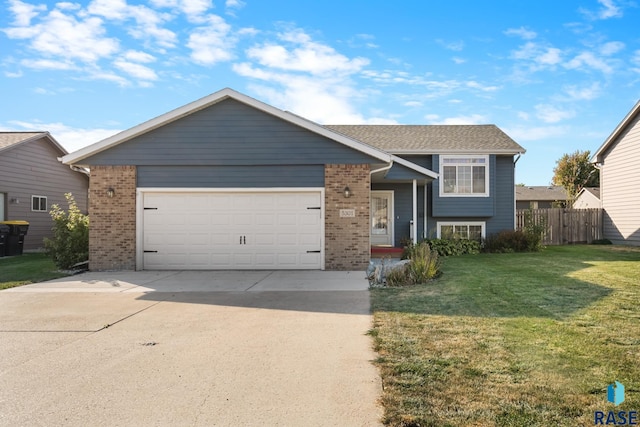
(32, 169)
(620, 184)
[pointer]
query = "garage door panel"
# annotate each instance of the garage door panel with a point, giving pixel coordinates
(232, 230)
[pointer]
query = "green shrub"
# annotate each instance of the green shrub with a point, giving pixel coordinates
(507, 241)
(424, 264)
(397, 277)
(534, 228)
(452, 247)
(70, 243)
(601, 242)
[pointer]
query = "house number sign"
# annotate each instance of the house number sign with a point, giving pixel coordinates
(347, 213)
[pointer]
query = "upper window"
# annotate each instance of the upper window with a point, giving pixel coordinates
(39, 203)
(466, 176)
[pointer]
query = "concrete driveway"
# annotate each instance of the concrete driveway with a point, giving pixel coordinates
(189, 349)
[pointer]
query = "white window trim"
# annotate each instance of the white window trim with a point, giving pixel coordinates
(40, 197)
(465, 156)
(480, 223)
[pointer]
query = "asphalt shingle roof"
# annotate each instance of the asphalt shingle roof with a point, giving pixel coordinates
(8, 139)
(549, 193)
(432, 138)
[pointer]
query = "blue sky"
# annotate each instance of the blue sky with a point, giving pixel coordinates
(557, 76)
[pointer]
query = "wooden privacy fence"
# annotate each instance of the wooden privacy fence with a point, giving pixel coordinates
(565, 226)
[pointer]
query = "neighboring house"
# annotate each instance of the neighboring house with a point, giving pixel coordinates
(32, 179)
(228, 182)
(618, 159)
(588, 198)
(540, 197)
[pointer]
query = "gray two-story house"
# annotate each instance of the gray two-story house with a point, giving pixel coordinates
(229, 182)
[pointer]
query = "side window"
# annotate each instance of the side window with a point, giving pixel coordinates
(39, 203)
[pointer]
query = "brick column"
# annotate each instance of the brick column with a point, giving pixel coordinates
(347, 241)
(112, 221)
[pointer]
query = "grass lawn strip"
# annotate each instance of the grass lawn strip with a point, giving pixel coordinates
(26, 269)
(512, 339)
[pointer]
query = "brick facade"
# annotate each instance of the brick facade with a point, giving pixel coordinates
(347, 239)
(112, 228)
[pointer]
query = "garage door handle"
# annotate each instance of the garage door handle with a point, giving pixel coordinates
(313, 252)
(315, 207)
(150, 209)
(150, 252)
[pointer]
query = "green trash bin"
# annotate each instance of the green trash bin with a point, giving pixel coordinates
(4, 239)
(15, 241)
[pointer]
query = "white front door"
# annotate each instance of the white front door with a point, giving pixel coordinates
(382, 218)
(209, 231)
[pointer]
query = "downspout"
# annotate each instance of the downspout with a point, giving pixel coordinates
(515, 217)
(382, 169)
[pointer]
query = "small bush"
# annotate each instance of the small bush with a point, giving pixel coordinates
(424, 264)
(512, 241)
(452, 247)
(601, 242)
(397, 277)
(70, 243)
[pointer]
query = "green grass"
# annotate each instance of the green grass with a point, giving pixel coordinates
(512, 339)
(25, 269)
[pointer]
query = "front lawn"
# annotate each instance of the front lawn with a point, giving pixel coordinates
(512, 339)
(25, 269)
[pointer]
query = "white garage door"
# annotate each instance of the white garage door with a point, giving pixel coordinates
(206, 231)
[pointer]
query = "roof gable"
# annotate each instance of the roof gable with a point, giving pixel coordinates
(10, 140)
(203, 103)
(599, 155)
(433, 139)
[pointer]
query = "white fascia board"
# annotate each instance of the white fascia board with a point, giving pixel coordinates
(597, 157)
(206, 102)
(413, 166)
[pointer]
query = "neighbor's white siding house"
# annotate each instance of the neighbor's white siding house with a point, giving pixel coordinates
(618, 159)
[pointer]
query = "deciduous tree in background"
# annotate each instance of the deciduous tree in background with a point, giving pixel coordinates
(574, 172)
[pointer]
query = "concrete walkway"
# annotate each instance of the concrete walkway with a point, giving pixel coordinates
(176, 348)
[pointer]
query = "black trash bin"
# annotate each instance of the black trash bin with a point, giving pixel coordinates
(15, 242)
(4, 238)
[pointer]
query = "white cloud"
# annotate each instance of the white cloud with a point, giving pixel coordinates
(70, 138)
(137, 56)
(608, 10)
(536, 133)
(472, 119)
(540, 56)
(48, 64)
(585, 93)
(64, 36)
(455, 46)
(24, 12)
(301, 54)
(611, 48)
(306, 77)
(135, 70)
(589, 60)
(550, 114)
(458, 60)
(484, 88)
(212, 43)
(521, 32)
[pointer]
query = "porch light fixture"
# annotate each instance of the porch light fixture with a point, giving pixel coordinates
(347, 192)
(110, 193)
